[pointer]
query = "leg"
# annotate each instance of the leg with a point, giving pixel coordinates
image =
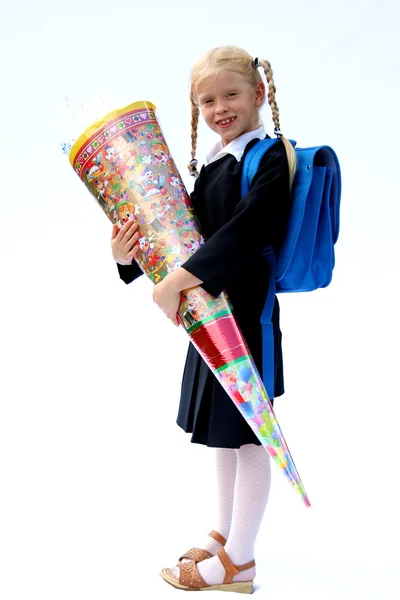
(226, 462)
(252, 487)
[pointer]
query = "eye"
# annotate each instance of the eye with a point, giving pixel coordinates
(207, 101)
(232, 94)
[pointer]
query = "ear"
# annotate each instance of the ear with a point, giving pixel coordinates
(260, 93)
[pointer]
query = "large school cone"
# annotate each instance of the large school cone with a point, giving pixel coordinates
(125, 163)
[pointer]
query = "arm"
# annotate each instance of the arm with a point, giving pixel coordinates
(129, 273)
(180, 279)
(258, 220)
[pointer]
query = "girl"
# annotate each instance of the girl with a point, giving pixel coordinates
(227, 88)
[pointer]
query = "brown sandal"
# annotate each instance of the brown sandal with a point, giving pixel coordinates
(197, 554)
(190, 578)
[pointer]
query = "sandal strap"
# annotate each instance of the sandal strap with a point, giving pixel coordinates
(230, 569)
(190, 577)
(217, 537)
(196, 554)
(249, 565)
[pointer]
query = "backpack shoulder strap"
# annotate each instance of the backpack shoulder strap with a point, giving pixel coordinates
(250, 167)
(251, 162)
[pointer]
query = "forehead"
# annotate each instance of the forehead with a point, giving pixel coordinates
(220, 83)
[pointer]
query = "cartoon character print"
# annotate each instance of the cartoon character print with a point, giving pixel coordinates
(148, 185)
(160, 154)
(166, 215)
(95, 170)
(170, 213)
(175, 265)
(180, 208)
(174, 181)
(193, 307)
(134, 159)
(103, 187)
(150, 256)
(110, 153)
(146, 244)
(126, 211)
(161, 210)
(117, 162)
(190, 240)
(120, 168)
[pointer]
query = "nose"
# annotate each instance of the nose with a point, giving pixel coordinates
(221, 107)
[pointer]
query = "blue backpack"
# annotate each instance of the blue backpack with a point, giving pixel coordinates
(306, 259)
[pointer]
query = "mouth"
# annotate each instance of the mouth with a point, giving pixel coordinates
(226, 122)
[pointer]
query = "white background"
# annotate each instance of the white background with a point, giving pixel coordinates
(95, 497)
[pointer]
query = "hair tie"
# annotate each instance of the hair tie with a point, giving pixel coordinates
(278, 132)
(193, 167)
(256, 63)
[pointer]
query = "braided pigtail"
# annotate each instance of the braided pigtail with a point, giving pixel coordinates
(290, 152)
(192, 166)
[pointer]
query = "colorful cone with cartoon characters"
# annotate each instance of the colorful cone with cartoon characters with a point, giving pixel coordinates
(126, 165)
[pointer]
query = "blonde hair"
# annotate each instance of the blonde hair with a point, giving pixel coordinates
(232, 58)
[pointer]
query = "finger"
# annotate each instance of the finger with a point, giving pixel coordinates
(115, 231)
(128, 230)
(129, 244)
(119, 234)
(125, 227)
(133, 252)
(174, 321)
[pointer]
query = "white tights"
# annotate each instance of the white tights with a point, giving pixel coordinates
(244, 482)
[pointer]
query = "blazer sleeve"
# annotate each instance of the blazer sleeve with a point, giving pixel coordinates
(259, 219)
(129, 273)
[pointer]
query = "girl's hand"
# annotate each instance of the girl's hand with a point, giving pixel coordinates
(168, 298)
(123, 242)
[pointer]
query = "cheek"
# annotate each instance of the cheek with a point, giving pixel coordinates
(246, 104)
(206, 113)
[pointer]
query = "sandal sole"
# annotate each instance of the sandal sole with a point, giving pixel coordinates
(241, 587)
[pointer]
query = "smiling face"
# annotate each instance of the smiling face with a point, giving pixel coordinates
(229, 104)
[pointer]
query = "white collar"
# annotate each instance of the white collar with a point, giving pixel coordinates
(235, 147)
